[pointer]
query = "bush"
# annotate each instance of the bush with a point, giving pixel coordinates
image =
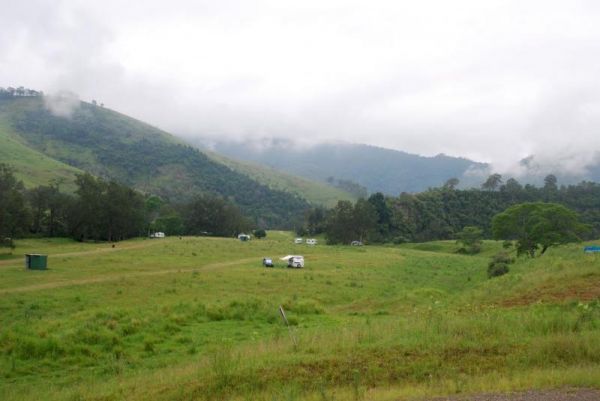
(260, 233)
(498, 266)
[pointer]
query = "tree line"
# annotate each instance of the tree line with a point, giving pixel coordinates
(19, 91)
(443, 213)
(108, 211)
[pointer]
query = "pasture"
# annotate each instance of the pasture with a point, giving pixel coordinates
(197, 318)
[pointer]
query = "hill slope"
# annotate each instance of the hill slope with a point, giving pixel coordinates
(31, 166)
(377, 169)
(111, 145)
(314, 191)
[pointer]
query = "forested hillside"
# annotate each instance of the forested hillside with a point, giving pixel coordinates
(377, 169)
(113, 146)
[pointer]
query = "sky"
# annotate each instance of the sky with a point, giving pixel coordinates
(495, 81)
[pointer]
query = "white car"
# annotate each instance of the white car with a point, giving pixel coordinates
(298, 241)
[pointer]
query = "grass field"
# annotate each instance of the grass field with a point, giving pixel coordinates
(197, 318)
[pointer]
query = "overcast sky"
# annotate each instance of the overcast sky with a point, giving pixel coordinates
(491, 80)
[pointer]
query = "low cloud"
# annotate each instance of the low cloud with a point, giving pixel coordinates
(494, 81)
(62, 104)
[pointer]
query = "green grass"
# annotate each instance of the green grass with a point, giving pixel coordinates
(197, 318)
(31, 166)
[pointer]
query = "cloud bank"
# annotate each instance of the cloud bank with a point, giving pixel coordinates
(495, 81)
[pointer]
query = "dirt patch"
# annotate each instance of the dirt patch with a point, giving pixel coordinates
(550, 395)
(587, 290)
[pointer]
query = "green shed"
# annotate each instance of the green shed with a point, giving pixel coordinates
(35, 261)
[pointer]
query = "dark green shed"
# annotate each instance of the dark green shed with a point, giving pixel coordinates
(35, 261)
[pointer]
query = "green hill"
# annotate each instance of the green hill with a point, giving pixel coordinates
(315, 192)
(31, 166)
(378, 169)
(41, 146)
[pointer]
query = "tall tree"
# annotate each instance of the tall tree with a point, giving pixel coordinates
(214, 216)
(537, 225)
(364, 219)
(340, 224)
(492, 182)
(451, 183)
(14, 216)
(384, 215)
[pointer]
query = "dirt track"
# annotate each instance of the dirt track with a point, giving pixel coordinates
(116, 277)
(15, 261)
(549, 395)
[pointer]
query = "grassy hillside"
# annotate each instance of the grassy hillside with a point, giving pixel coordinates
(197, 318)
(31, 166)
(316, 192)
(108, 144)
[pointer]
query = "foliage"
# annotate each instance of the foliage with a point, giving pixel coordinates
(14, 216)
(259, 233)
(498, 265)
(492, 183)
(537, 225)
(471, 239)
(347, 222)
(315, 221)
(442, 213)
(106, 210)
(209, 215)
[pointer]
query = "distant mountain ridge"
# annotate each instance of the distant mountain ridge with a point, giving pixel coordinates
(378, 169)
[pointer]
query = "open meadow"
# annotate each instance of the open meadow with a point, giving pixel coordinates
(196, 318)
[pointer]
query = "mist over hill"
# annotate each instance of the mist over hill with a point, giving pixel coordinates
(377, 169)
(386, 170)
(88, 137)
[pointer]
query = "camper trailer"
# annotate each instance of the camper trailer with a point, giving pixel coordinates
(294, 261)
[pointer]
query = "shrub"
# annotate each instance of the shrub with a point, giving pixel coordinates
(498, 266)
(260, 233)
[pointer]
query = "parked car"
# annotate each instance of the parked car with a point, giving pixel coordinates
(311, 241)
(268, 262)
(298, 241)
(356, 243)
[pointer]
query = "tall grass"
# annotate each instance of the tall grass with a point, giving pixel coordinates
(415, 323)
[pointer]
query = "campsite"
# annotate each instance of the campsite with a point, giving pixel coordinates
(198, 318)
